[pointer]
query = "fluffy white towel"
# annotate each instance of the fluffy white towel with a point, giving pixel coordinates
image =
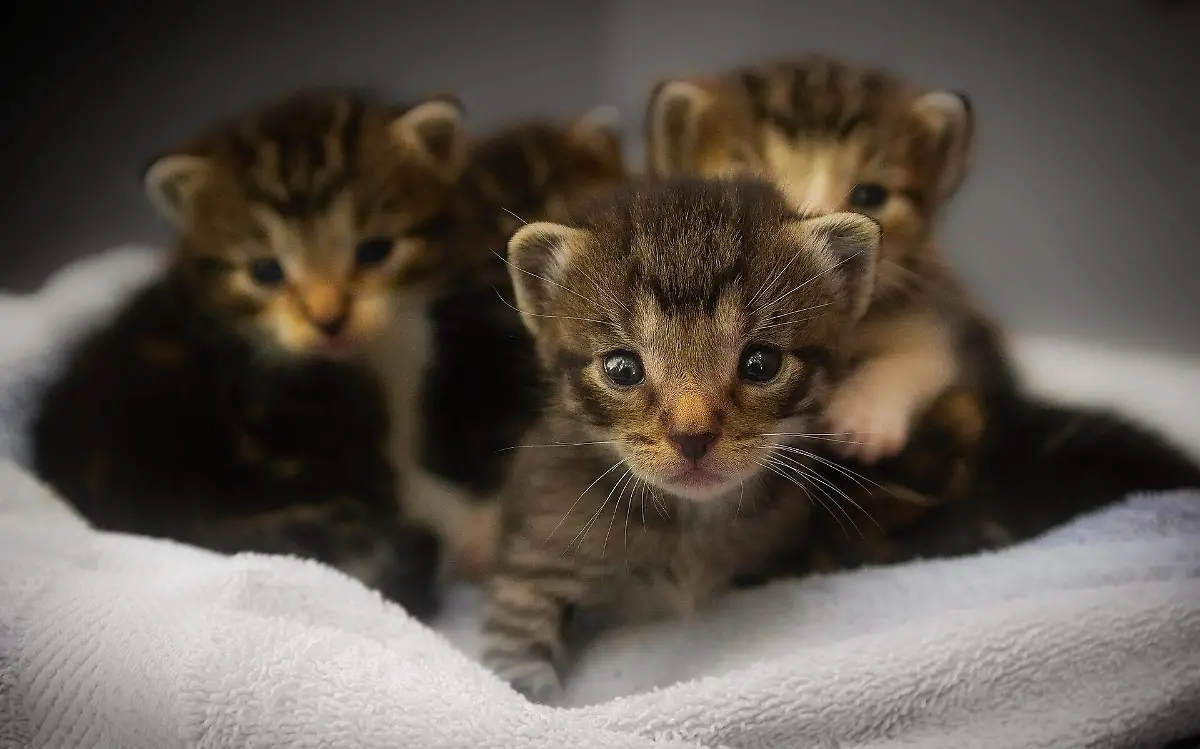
(1089, 636)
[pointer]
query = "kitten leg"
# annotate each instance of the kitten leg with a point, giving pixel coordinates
(527, 600)
(874, 408)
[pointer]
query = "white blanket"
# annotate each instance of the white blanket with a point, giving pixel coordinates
(1089, 636)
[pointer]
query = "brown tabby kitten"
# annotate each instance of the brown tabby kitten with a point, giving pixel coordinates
(838, 137)
(222, 406)
(963, 459)
(457, 422)
(683, 329)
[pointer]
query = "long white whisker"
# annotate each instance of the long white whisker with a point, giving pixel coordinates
(777, 468)
(813, 475)
(620, 495)
(559, 444)
(585, 491)
(511, 264)
(830, 269)
(582, 534)
(554, 317)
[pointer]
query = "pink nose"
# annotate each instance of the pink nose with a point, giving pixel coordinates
(693, 446)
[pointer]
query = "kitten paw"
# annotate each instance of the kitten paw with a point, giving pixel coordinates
(537, 680)
(873, 422)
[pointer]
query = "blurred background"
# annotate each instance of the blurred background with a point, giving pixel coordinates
(1078, 221)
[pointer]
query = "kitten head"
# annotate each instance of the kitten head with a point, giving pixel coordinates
(834, 137)
(690, 322)
(297, 220)
(538, 169)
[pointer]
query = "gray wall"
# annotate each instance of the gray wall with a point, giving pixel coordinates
(1078, 220)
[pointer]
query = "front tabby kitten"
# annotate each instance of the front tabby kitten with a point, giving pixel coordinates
(221, 407)
(680, 327)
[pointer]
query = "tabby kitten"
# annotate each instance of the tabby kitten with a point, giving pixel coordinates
(954, 455)
(682, 329)
(458, 419)
(223, 406)
(836, 137)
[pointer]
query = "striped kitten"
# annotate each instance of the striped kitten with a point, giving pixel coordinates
(222, 406)
(681, 327)
(963, 458)
(838, 137)
(463, 393)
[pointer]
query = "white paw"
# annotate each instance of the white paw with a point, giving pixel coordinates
(536, 679)
(869, 422)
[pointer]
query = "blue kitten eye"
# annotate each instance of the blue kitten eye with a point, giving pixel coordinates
(760, 363)
(624, 369)
(267, 271)
(868, 195)
(373, 251)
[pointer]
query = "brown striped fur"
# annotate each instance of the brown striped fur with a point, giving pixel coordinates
(604, 508)
(472, 392)
(220, 409)
(836, 136)
(303, 181)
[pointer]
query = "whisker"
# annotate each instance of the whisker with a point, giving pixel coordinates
(585, 491)
(616, 507)
(781, 315)
(555, 317)
(780, 298)
(582, 534)
(822, 437)
(819, 483)
(511, 264)
(559, 444)
(785, 322)
(851, 474)
(518, 218)
(777, 469)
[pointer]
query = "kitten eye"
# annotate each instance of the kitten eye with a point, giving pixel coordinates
(267, 271)
(868, 195)
(624, 369)
(760, 363)
(373, 251)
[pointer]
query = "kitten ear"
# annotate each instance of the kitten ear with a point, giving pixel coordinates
(948, 117)
(599, 130)
(851, 241)
(435, 129)
(537, 253)
(674, 119)
(171, 183)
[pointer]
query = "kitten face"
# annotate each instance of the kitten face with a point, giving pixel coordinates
(298, 220)
(834, 137)
(685, 322)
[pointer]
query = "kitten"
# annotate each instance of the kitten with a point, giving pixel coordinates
(683, 328)
(462, 393)
(960, 458)
(836, 137)
(223, 406)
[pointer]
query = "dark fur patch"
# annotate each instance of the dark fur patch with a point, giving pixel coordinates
(173, 443)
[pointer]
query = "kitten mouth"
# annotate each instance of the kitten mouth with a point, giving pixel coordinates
(698, 478)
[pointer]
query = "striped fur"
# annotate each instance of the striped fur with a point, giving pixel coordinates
(476, 346)
(219, 407)
(837, 136)
(601, 511)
